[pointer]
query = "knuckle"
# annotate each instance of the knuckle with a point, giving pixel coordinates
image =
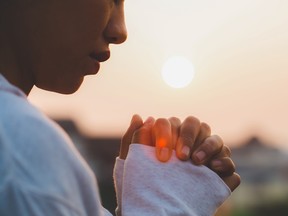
(205, 127)
(187, 138)
(228, 167)
(231, 167)
(211, 145)
(174, 120)
(161, 126)
(218, 139)
(227, 150)
(140, 132)
(192, 120)
(190, 128)
(161, 122)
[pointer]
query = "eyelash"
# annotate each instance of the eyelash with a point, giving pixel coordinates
(116, 1)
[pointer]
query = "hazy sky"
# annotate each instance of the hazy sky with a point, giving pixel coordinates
(240, 53)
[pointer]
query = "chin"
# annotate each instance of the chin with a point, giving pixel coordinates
(66, 91)
(63, 88)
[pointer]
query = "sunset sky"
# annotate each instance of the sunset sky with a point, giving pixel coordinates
(239, 50)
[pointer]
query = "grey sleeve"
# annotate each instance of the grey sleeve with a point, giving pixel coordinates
(118, 177)
(149, 187)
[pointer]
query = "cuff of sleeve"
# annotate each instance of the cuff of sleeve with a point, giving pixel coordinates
(198, 187)
(118, 179)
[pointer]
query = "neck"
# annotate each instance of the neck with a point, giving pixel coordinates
(11, 66)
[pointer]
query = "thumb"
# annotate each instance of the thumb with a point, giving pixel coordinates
(136, 123)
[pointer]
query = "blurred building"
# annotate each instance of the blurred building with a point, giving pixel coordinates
(264, 177)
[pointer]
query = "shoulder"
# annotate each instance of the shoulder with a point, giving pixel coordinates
(21, 121)
(37, 155)
(35, 149)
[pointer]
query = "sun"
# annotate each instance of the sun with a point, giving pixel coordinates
(178, 72)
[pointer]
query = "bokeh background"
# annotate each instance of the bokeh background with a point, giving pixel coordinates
(239, 50)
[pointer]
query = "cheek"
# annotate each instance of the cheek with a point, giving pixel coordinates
(91, 20)
(77, 25)
(58, 70)
(65, 43)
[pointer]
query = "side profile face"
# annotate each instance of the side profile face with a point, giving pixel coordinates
(56, 43)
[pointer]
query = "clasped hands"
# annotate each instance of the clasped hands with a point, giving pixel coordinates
(191, 139)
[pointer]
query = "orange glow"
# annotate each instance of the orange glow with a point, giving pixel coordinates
(162, 143)
(163, 150)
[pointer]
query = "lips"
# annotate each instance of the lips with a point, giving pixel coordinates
(97, 58)
(101, 56)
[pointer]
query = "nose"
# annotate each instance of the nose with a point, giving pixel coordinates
(116, 31)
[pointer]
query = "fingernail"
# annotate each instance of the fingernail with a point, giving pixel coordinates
(185, 151)
(216, 163)
(164, 154)
(200, 156)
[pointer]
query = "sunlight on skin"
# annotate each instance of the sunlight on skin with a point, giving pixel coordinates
(163, 149)
(162, 143)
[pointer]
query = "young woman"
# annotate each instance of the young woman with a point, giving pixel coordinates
(53, 44)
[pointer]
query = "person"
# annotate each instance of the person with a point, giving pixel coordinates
(53, 44)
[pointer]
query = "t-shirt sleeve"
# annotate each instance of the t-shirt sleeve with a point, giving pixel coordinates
(150, 187)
